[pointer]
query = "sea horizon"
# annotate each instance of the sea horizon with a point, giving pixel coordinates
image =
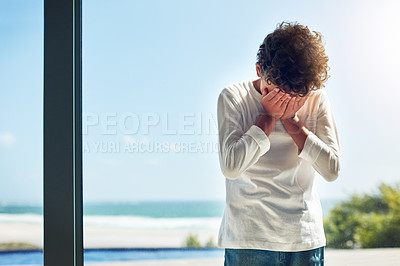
(143, 208)
(140, 215)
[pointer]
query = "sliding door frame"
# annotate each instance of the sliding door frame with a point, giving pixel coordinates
(62, 140)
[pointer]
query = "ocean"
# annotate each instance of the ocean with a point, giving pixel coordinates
(160, 215)
(137, 215)
(201, 215)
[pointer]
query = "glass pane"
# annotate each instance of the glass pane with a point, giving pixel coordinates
(151, 170)
(21, 131)
(153, 71)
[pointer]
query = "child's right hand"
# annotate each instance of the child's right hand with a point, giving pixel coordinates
(275, 102)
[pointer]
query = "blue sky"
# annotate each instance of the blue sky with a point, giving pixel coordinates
(152, 72)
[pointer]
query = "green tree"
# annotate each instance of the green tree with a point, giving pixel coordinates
(210, 243)
(367, 221)
(192, 241)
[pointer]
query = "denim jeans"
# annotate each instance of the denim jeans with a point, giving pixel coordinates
(257, 257)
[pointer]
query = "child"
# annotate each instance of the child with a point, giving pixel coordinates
(274, 133)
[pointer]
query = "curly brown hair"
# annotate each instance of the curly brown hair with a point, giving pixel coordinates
(294, 59)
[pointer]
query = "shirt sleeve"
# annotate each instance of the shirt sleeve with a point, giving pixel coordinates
(238, 148)
(322, 147)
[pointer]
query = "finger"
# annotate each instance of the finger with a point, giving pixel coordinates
(292, 102)
(286, 101)
(264, 91)
(301, 102)
(290, 105)
(271, 94)
(281, 96)
(304, 99)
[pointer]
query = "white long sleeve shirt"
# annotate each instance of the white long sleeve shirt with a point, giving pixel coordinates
(271, 200)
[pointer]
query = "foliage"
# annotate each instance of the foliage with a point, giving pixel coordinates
(366, 221)
(210, 243)
(17, 246)
(192, 241)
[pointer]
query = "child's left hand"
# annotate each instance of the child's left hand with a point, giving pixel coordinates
(293, 106)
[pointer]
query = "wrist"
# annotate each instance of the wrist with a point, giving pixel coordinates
(274, 117)
(291, 119)
(295, 126)
(266, 116)
(266, 122)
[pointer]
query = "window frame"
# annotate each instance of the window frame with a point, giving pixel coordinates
(62, 133)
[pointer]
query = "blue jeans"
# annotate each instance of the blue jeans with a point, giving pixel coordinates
(257, 257)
